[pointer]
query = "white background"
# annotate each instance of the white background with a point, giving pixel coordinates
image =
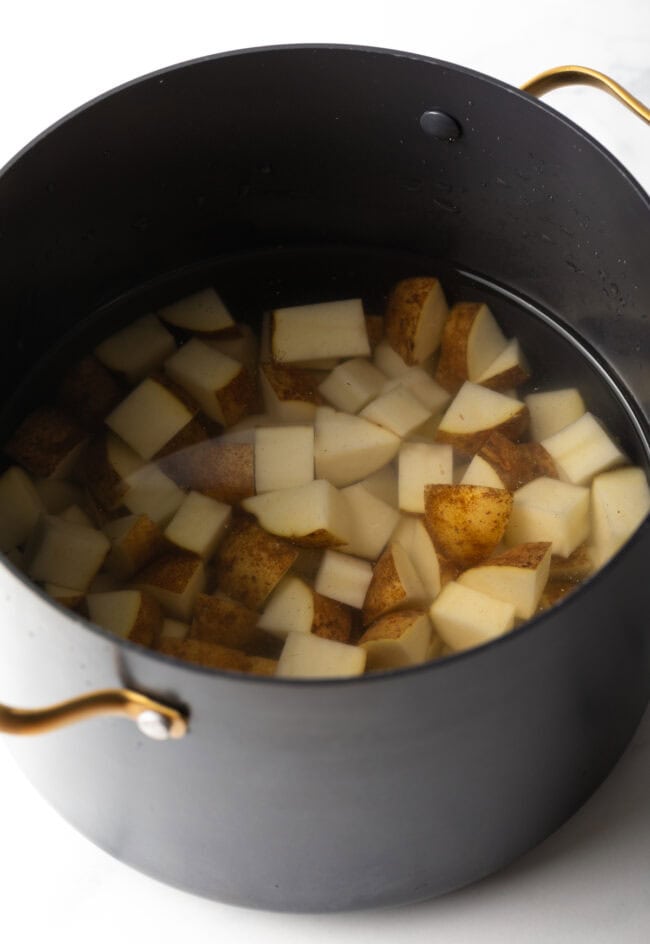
(590, 882)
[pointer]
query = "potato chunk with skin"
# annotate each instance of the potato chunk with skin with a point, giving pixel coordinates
(475, 413)
(65, 553)
(620, 500)
(517, 576)
(135, 540)
(372, 522)
(312, 515)
(383, 484)
(349, 448)
(284, 457)
(149, 417)
(323, 330)
(344, 578)
(415, 318)
(107, 465)
(173, 629)
(150, 492)
(517, 463)
(549, 510)
(198, 525)
(466, 522)
(397, 640)
(175, 580)
(131, 614)
(20, 508)
(221, 470)
(508, 370)
(307, 656)
(47, 443)
(387, 360)
(353, 384)
(250, 562)
(421, 464)
(89, 392)
(552, 410)
(290, 394)
(582, 450)
(464, 617)
(227, 622)
(394, 585)
(222, 386)
(471, 343)
(202, 313)
(294, 607)
(136, 350)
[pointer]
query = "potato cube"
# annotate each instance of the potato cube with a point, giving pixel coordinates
(421, 464)
(464, 618)
(89, 392)
(517, 576)
(549, 510)
(397, 640)
(210, 655)
(250, 562)
(173, 629)
(130, 614)
(582, 449)
(397, 411)
(395, 585)
(471, 343)
(328, 329)
(432, 569)
(352, 385)
(175, 580)
(475, 413)
(107, 465)
(552, 410)
(20, 508)
(480, 472)
(242, 348)
(289, 394)
(72, 599)
(349, 448)
(307, 656)
(65, 553)
(57, 494)
(312, 515)
(135, 540)
(620, 501)
(517, 463)
(383, 484)
(284, 457)
(222, 470)
(203, 313)
(198, 525)
(149, 417)
(387, 360)
(372, 522)
(423, 387)
(138, 349)
(466, 522)
(227, 622)
(222, 386)
(294, 607)
(47, 443)
(344, 578)
(150, 492)
(509, 369)
(415, 318)
(77, 515)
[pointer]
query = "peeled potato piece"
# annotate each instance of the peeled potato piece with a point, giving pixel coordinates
(284, 457)
(151, 492)
(294, 607)
(582, 449)
(423, 387)
(47, 443)
(509, 369)
(243, 347)
(383, 484)
(517, 576)
(398, 411)
(394, 585)
(431, 567)
(150, 416)
(475, 413)
(620, 501)
(421, 464)
(137, 349)
(202, 313)
(198, 525)
(549, 510)
(464, 617)
(312, 515)
(397, 640)
(20, 508)
(307, 656)
(290, 394)
(175, 580)
(480, 472)
(323, 330)
(72, 599)
(466, 522)
(349, 448)
(471, 343)
(250, 562)
(222, 386)
(65, 553)
(372, 521)
(552, 410)
(352, 385)
(415, 318)
(343, 578)
(130, 614)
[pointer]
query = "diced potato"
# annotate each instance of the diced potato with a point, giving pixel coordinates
(130, 614)
(375, 329)
(582, 449)
(307, 563)
(620, 501)
(203, 313)
(423, 387)
(372, 522)
(431, 567)
(138, 349)
(307, 656)
(250, 562)
(328, 329)
(388, 361)
(223, 387)
(242, 348)
(475, 413)
(20, 508)
(549, 510)
(108, 463)
(464, 618)
(480, 472)
(352, 385)
(227, 622)
(552, 410)
(198, 525)
(173, 629)
(517, 576)
(48, 443)
(222, 470)
(72, 599)
(175, 580)
(294, 607)
(150, 492)
(397, 411)
(421, 464)
(344, 578)
(466, 522)
(509, 369)
(471, 343)
(210, 655)
(65, 553)
(383, 484)
(578, 565)
(395, 585)
(291, 395)
(415, 318)
(397, 640)
(89, 392)
(77, 515)
(57, 494)
(135, 540)
(349, 448)
(149, 417)
(312, 515)
(284, 457)
(517, 463)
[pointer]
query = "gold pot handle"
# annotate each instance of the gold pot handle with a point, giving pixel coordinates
(581, 75)
(153, 718)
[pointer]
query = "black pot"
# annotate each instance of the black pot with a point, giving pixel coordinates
(274, 171)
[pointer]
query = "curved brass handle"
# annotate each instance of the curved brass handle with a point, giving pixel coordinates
(154, 719)
(581, 75)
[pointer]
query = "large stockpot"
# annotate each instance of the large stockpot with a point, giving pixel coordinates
(322, 795)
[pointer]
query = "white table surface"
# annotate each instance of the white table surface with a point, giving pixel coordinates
(590, 882)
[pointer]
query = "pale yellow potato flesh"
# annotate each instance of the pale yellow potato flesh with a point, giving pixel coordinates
(480, 472)
(476, 412)
(465, 618)
(130, 614)
(344, 578)
(620, 500)
(549, 510)
(395, 585)
(138, 349)
(509, 369)
(517, 576)
(398, 411)
(582, 449)
(20, 508)
(372, 521)
(420, 464)
(198, 525)
(222, 386)
(284, 457)
(65, 553)
(322, 330)
(397, 640)
(203, 312)
(349, 448)
(552, 410)
(149, 417)
(307, 656)
(312, 515)
(353, 384)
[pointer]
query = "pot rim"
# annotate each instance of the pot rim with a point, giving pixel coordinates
(531, 624)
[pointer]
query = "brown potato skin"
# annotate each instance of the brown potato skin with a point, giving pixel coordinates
(250, 562)
(385, 591)
(526, 556)
(332, 620)
(471, 443)
(466, 522)
(142, 543)
(149, 621)
(221, 470)
(507, 379)
(391, 625)
(239, 398)
(292, 383)
(451, 372)
(403, 313)
(43, 439)
(516, 464)
(207, 654)
(89, 391)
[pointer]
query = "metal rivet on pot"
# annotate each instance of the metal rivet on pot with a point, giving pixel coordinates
(154, 725)
(438, 124)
